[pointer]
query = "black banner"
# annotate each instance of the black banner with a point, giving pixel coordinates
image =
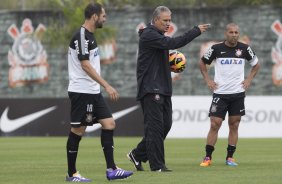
(50, 117)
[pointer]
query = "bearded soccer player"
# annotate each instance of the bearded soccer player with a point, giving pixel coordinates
(229, 86)
(87, 103)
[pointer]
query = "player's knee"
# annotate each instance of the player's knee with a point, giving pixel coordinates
(109, 124)
(234, 126)
(78, 131)
(215, 127)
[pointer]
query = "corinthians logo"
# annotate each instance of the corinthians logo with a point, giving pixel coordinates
(27, 58)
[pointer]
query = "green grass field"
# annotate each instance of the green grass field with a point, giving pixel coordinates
(42, 160)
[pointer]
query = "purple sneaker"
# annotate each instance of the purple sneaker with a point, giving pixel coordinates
(76, 177)
(117, 174)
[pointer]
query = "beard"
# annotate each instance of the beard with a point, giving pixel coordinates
(99, 24)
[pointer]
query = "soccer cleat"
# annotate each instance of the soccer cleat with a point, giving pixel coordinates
(137, 164)
(117, 174)
(165, 169)
(206, 162)
(231, 162)
(76, 177)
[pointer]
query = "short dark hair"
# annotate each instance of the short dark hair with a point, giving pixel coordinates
(232, 24)
(92, 8)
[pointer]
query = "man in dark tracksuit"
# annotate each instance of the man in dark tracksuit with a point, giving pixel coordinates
(155, 87)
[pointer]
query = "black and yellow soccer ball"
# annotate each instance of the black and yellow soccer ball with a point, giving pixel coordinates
(177, 61)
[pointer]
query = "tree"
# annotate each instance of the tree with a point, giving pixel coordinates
(70, 16)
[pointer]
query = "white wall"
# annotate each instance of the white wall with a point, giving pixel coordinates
(190, 117)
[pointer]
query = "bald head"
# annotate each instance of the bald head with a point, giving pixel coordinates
(231, 25)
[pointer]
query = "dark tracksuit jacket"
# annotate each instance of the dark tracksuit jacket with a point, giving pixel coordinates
(154, 79)
(153, 69)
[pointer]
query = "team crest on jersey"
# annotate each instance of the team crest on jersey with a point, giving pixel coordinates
(238, 52)
(27, 57)
(213, 108)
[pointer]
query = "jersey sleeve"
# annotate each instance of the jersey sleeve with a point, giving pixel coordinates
(251, 57)
(82, 45)
(209, 56)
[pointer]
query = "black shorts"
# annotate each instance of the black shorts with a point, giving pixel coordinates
(234, 104)
(87, 109)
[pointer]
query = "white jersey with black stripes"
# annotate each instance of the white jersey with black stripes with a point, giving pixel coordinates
(229, 64)
(83, 46)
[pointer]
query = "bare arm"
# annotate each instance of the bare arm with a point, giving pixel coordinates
(247, 82)
(210, 83)
(86, 66)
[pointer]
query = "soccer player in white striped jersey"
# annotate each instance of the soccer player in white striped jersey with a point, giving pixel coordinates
(87, 103)
(228, 88)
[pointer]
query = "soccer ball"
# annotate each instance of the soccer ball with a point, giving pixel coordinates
(177, 61)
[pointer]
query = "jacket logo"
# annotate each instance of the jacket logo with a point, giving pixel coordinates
(157, 97)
